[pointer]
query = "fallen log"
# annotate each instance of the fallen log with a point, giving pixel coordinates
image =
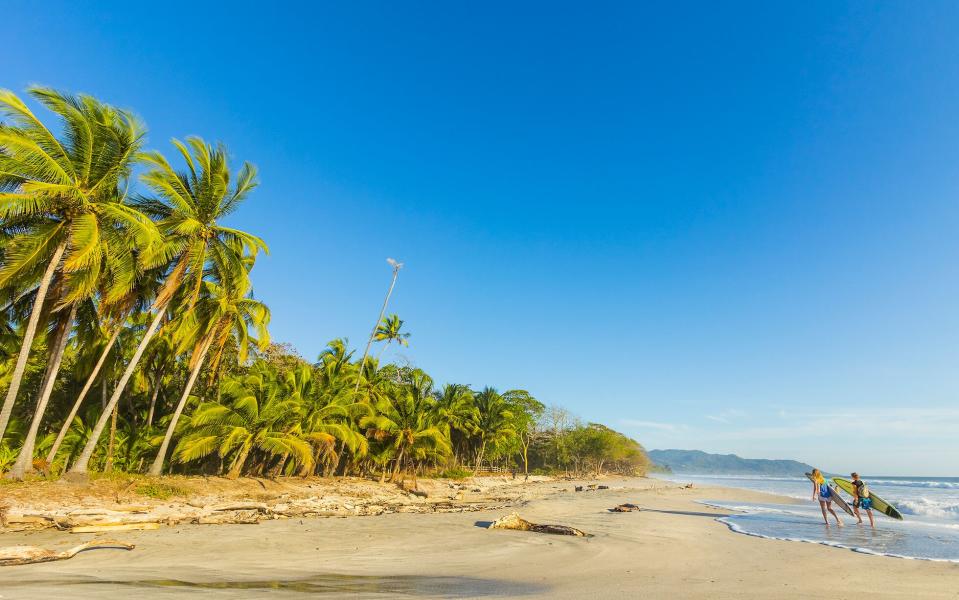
(625, 508)
(258, 506)
(114, 527)
(514, 521)
(24, 555)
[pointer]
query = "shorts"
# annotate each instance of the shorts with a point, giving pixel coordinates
(825, 498)
(864, 503)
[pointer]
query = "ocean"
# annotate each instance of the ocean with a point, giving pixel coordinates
(930, 505)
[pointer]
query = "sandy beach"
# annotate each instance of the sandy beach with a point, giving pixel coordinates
(673, 548)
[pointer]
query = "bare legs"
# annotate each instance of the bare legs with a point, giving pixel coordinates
(872, 523)
(827, 505)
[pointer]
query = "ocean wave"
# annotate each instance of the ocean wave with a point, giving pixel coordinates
(925, 507)
(948, 485)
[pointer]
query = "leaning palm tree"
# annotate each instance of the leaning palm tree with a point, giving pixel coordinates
(188, 206)
(62, 194)
(222, 312)
(396, 271)
(389, 331)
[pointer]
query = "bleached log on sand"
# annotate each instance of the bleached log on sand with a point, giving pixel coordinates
(24, 555)
(514, 521)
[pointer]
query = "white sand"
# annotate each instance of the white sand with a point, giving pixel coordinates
(673, 549)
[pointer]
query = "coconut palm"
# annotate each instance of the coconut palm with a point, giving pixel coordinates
(61, 198)
(456, 412)
(389, 331)
(223, 311)
(494, 421)
(188, 206)
(396, 272)
(329, 415)
(403, 421)
(254, 414)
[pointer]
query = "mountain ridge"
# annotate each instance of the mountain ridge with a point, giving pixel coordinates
(704, 463)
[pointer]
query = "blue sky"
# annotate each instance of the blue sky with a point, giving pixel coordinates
(721, 227)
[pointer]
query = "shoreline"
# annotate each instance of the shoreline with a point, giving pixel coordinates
(674, 548)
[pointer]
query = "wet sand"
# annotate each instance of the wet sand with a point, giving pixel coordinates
(674, 548)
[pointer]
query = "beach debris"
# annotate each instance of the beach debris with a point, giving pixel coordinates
(25, 555)
(257, 506)
(625, 508)
(514, 521)
(578, 488)
(237, 517)
(602, 487)
(145, 525)
(688, 486)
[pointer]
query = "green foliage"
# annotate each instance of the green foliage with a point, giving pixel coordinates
(156, 298)
(158, 490)
(454, 473)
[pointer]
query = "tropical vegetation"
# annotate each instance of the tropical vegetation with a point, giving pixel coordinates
(131, 339)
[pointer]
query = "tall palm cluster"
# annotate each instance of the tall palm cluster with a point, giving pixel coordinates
(113, 282)
(130, 338)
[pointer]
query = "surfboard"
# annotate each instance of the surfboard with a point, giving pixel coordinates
(836, 498)
(878, 504)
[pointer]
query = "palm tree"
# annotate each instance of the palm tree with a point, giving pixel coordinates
(223, 311)
(403, 419)
(328, 415)
(254, 413)
(188, 206)
(494, 421)
(61, 196)
(24, 462)
(456, 412)
(396, 271)
(389, 330)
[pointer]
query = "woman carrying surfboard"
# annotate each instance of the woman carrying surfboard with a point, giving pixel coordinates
(822, 492)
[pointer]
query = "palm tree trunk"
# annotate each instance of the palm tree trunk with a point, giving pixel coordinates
(396, 272)
(385, 346)
(113, 437)
(17, 377)
(24, 462)
(83, 394)
(237, 467)
(399, 462)
(80, 467)
(479, 457)
(153, 399)
(157, 467)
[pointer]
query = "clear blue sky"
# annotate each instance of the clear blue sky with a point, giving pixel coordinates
(729, 227)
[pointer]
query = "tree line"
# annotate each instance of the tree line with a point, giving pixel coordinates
(131, 340)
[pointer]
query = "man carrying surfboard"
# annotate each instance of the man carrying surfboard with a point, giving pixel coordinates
(822, 492)
(860, 493)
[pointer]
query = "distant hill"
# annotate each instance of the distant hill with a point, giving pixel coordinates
(702, 463)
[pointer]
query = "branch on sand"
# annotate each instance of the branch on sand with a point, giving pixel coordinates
(25, 555)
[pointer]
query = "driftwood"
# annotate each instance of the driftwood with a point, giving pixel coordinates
(625, 508)
(24, 555)
(244, 517)
(257, 506)
(514, 521)
(114, 527)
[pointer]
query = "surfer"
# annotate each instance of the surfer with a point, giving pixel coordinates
(860, 493)
(824, 494)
